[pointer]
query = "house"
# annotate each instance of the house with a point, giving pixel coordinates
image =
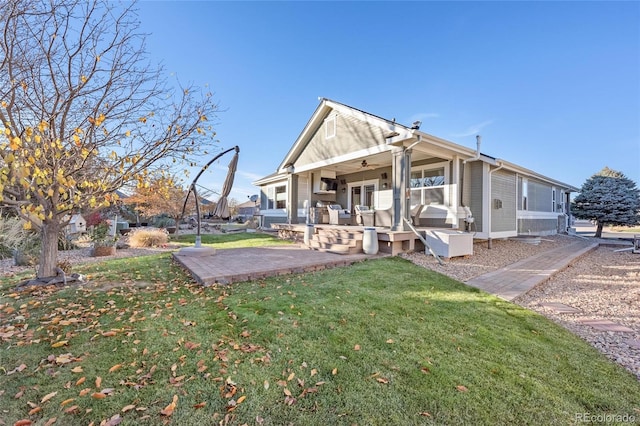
(350, 157)
(248, 209)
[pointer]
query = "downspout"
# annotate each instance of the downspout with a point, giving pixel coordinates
(491, 171)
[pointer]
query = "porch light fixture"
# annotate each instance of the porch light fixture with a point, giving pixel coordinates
(416, 125)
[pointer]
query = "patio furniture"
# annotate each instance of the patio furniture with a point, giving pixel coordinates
(338, 215)
(364, 215)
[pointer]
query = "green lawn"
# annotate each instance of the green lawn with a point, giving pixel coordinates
(230, 240)
(380, 342)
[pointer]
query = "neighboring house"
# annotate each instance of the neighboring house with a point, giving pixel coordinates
(248, 209)
(350, 157)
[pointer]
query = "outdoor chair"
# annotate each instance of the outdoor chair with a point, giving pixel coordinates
(364, 215)
(338, 215)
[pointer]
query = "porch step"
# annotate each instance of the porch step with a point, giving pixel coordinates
(337, 241)
(354, 247)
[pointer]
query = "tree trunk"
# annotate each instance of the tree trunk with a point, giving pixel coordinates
(599, 230)
(49, 251)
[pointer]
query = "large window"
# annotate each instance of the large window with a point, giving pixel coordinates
(277, 197)
(427, 185)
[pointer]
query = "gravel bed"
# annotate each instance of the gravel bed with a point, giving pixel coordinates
(603, 284)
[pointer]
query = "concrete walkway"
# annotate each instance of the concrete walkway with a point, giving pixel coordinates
(518, 278)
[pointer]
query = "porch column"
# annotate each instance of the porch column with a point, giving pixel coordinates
(292, 199)
(401, 171)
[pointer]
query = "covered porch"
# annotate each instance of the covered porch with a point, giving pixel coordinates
(347, 239)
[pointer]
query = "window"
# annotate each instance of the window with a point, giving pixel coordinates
(553, 199)
(330, 127)
(525, 193)
(277, 197)
(427, 185)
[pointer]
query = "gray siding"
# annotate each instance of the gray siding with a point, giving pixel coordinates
(473, 178)
(351, 135)
(503, 201)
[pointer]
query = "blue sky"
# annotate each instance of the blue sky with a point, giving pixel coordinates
(551, 86)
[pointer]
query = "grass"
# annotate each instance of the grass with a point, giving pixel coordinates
(230, 240)
(380, 342)
(634, 229)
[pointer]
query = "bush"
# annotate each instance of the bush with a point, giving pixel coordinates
(148, 237)
(15, 241)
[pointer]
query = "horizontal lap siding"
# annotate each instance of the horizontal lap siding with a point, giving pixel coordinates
(474, 183)
(503, 201)
(350, 135)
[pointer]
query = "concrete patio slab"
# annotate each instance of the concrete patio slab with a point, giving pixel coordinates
(247, 264)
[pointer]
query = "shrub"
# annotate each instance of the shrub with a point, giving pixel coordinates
(22, 244)
(148, 237)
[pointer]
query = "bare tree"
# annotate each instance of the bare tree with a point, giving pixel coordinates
(83, 111)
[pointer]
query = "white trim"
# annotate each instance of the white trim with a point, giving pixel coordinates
(343, 158)
(362, 184)
(527, 214)
(445, 187)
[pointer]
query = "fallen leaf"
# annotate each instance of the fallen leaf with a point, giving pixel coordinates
(313, 372)
(291, 376)
(80, 381)
(77, 369)
(18, 369)
(242, 398)
(51, 421)
(98, 395)
(48, 397)
(59, 344)
(98, 381)
(334, 371)
(168, 410)
(382, 380)
(71, 409)
(389, 341)
(425, 414)
(35, 410)
(287, 392)
(115, 420)
(23, 422)
(84, 391)
(115, 367)
(128, 408)
(356, 348)
(266, 385)
(461, 388)
(200, 405)
(109, 334)
(67, 401)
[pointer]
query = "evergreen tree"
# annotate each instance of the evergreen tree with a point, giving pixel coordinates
(608, 198)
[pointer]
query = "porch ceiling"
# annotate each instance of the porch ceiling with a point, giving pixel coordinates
(375, 161)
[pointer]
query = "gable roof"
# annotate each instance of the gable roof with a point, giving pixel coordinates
(398, 135)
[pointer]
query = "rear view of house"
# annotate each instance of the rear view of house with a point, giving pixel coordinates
(348, 157)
